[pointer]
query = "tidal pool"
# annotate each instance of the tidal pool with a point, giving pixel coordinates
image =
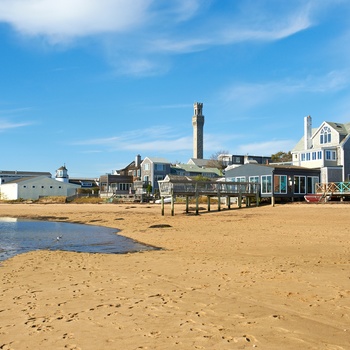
(21, 235)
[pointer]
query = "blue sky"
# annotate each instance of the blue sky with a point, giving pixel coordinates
(93, 83)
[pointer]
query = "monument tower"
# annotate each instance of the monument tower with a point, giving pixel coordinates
(198, 123)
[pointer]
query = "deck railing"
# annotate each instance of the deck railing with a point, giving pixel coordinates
(193, 188)
(333, 187)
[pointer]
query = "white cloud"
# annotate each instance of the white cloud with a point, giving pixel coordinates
(65, 19)
(6, 125)
(137, 36)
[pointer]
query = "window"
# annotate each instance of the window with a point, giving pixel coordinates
(33, 186)
(239, 179)
(299, 184)
(330, 155)
(314, 154)
(266, 183)
(254, 179)
(280, 184)
(307, 156)
(42, 186)
(146, 166)
(303, 157)
(124, 187)
(24, 186)
(319, 155)
(50, 186)
(325, 136)
(159, 167)
(311, 184)
(59, 186)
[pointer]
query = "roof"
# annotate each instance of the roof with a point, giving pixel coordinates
(36, 178)
(199, 162)
(196, 169)
(157, 160)
(21, 173)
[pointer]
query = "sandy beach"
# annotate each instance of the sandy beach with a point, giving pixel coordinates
(261, 277)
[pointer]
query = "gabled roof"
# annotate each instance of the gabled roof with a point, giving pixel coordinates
(157, 160)
(199, 162)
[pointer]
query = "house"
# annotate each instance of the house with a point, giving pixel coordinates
(326, 148)
(277, 181)
(133, 169)
(36, 187)
(236, 160)
(112, 184)
(154, 169)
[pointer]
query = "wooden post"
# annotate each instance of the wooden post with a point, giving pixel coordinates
(197, 199)
(239, 202)
(273, 201)
(172, 205)
(208, 199)
(187, 202)
(162, 205)
(228, 202)
(219, 198)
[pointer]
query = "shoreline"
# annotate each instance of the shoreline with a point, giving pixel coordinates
(265, 277)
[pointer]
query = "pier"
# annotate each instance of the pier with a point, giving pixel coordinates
(182, 186)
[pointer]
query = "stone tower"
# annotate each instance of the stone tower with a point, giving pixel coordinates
(198, 123)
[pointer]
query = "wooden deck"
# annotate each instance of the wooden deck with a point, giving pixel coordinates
(333, 189)
(219, 189)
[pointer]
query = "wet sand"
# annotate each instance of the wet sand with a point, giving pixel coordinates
(260, 277)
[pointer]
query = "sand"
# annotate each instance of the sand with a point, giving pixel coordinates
(261, 277)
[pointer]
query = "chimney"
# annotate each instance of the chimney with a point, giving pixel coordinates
(137, 161)
(307, 132)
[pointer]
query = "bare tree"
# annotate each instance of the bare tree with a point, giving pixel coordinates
(215, 162)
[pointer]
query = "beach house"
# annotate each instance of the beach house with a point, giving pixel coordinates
(327, 148)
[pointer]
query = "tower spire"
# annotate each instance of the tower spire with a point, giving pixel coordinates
(198, 123)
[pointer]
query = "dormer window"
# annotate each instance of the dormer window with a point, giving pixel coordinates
(325, 136)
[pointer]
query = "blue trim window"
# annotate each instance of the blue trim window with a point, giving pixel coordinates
(280, 184)
(266, 184)
(303, 157)
(319, 154)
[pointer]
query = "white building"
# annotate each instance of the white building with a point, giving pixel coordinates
(326, 148)
(36, 187)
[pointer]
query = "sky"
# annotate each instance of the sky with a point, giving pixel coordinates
(92, 83)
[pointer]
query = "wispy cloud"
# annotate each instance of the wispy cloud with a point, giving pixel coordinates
(265, 92)
(157, 139)
(6, 125)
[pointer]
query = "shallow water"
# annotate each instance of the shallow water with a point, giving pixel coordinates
(19, 236)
